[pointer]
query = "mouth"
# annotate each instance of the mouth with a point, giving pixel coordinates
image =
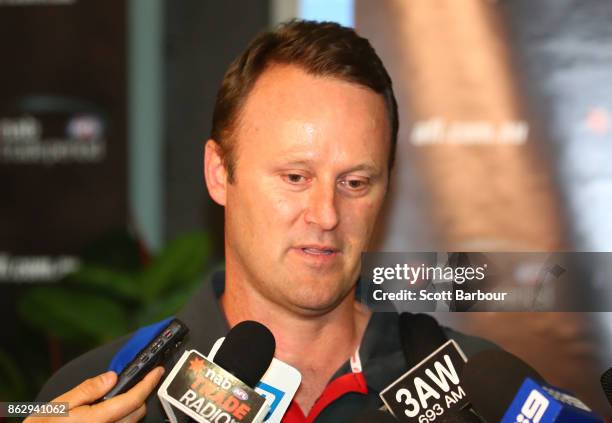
(319, 251)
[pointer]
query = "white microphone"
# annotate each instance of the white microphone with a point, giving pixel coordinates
(222, 391)
(278, 385)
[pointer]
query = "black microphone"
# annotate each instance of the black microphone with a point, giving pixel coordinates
(420, 335)
(375, 416)
(492, 378)
(421, 332)
(606, 384)
(431, 389)
(222, 389)
(247, 351)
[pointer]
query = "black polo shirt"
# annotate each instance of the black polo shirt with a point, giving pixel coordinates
(347, 395)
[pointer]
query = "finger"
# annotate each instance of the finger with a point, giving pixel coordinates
(89, 391)
(135, 415)
(122, 405)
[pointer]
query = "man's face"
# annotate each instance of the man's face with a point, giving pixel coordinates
(310, 179)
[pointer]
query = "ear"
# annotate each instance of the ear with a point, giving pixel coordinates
(215, 174)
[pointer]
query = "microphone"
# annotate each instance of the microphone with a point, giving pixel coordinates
(375, 416)
(278, 385)
(492, 378)
(247, 351)
(606, 384)
(222, 390)
(420, 335)
(517, 393)
(431, 389)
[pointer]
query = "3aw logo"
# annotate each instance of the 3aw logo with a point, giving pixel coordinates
(430, 389)
(533, 409)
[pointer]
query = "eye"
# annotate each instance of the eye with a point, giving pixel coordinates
(355, 185)
(294, 178)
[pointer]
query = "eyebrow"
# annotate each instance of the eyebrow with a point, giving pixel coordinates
(298, 163)
(363, 166)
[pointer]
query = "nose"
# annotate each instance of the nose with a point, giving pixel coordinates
(321, 209)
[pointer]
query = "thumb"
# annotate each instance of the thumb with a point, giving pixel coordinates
(89, 391)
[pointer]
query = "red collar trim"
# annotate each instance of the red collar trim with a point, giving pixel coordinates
(350, 382)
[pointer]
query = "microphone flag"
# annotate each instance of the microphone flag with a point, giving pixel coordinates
(209, 394)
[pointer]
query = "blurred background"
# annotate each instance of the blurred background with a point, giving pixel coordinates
(105, 225)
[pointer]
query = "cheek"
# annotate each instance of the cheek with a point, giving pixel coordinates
(272, 207)
(359, 218)
(286, 208)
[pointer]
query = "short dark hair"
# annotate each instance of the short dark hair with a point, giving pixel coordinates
(319, 48)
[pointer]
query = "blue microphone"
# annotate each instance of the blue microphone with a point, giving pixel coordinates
(503, 388)
(542, 403)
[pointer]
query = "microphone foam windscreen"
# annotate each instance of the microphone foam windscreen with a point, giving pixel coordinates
(375, 416)
(491, 380)
(247, 351)
(420, 335)
(606, 384)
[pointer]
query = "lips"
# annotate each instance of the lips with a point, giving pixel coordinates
(319, 250)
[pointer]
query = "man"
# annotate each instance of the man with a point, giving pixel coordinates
(303, 142)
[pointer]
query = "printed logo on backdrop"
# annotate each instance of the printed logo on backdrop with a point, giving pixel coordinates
(437, 130)
(52, 130)
(34, 269)
(475, 281)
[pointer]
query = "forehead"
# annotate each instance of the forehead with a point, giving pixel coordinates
(291, 111)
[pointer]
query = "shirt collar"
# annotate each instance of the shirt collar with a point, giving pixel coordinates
(204, 316)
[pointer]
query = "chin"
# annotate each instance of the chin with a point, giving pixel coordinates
(313, 302)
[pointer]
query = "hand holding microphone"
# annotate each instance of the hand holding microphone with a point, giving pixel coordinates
(127, 407)
(244, 357)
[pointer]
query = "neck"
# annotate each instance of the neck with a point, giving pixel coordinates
(298, 333)
(302, 339)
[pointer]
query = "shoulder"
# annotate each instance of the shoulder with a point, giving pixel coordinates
(83, 367)
(469, 344)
